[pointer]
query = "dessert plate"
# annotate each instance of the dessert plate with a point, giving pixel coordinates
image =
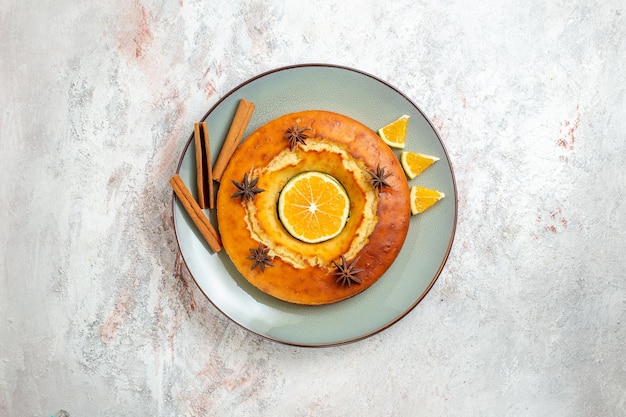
(374, 103)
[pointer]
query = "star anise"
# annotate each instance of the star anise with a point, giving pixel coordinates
(346, 274)
(378, 177)
(246, 189)
(296, 135)
(260, 257)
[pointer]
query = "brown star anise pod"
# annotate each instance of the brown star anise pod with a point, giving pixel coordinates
(246, 189)
(378, 177)
(346, 274)
(260, 257)
(296, 135)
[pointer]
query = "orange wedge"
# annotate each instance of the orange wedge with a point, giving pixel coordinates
(423, 198)
(394, 134)
(313, 207)
(414, 163)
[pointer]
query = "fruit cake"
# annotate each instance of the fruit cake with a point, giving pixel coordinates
(356, 200)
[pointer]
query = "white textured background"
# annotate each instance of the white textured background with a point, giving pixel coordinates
(98, 315)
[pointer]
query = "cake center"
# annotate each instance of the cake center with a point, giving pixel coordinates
(313, 207)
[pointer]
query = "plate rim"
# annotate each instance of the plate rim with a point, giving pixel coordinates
(454, 222)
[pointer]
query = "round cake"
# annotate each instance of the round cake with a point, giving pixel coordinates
(321, 146)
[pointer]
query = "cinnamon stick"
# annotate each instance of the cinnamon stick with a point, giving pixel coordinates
(235, 133)
(204, 173)
(195, 212)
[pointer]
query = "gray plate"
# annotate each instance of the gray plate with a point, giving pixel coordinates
(374, 103)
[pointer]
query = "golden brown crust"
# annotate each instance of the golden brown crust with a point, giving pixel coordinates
(309, 280)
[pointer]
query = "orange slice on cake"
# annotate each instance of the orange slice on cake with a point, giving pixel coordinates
(313, 207)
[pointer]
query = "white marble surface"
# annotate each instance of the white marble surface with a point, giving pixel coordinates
(98, 315)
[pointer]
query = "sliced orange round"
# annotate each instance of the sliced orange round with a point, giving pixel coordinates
(423, 198)
(313, 207)
(394, 134)
(414, 163)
